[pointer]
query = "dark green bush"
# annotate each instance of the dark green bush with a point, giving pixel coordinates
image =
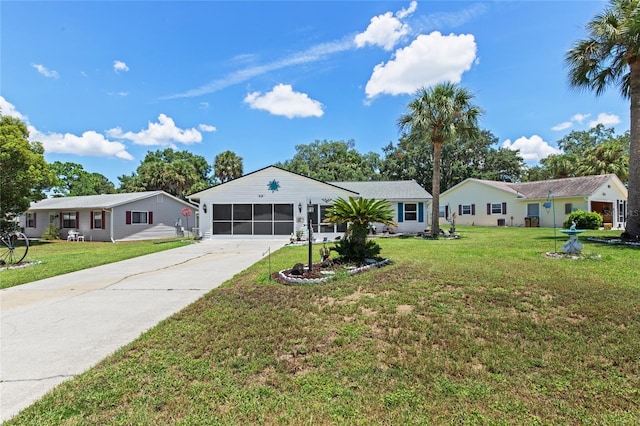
(353, 251)
(583, 220)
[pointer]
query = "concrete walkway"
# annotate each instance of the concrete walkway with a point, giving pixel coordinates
(54, 329)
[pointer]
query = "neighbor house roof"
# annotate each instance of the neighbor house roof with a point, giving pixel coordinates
(568, 187)
(103, 201)
(388, 190)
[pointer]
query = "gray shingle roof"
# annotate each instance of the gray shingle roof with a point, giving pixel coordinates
(387, 190)
(103, 201)
(568, 187)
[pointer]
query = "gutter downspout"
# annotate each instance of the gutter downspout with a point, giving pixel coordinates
(111, 226)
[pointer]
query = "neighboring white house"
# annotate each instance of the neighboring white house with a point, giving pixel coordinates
(275, 202)
(111, 217)
(408, 199)
(490, 203)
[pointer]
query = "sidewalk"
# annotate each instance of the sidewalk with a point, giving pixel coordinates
(54, 329)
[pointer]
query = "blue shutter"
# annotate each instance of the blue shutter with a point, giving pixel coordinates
(420, 212)
(400, 212)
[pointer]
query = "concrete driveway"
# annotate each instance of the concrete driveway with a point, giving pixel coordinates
(54, 329)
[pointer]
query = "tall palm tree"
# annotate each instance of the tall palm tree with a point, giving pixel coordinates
(359, 213)
(437, 116)
(609, 57)
(227, 166)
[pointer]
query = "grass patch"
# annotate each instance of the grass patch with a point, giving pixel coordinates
(480, 330)
(61, 257)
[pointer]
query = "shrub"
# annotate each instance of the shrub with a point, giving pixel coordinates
(359, 213)
(351, 250)
(583, 220)
(51, 233)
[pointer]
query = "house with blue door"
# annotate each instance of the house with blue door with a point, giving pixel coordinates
(273, 202)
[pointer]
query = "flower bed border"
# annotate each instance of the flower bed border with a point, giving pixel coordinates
(289, 280)
(614, 241)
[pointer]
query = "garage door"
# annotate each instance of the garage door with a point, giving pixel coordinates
(252, 219)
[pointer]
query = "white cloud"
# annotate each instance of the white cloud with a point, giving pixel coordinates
(404, 13)
(577, 118)
(605, 119)
(562, 126)
(207, 128)
(8, 109)
(204, 105)
(386, 30)
(90, 143)
(120, 66)
(282, 100)
(532, 149)
(580, 117)
(46, 72)
(428, 60)
(164, 133)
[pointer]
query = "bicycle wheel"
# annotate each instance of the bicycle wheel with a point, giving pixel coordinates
(14, 248)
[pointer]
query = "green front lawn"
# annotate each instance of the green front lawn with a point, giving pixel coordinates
(61, 257)
(480, 330)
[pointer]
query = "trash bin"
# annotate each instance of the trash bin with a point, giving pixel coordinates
(527, 222)
(535, 220)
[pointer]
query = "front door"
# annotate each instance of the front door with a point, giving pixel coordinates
(604, 209)
(533, 209)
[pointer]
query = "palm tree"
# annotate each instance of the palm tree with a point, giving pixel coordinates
(359, 213)
(227, 166)
(608, 157)
(437, 116)
(609, 56)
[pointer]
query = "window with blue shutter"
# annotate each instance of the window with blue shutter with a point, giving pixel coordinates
(420, 212)
(400, 212)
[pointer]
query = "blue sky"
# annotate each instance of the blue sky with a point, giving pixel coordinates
(103, 83)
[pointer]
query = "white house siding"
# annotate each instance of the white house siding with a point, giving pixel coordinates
(164, 212)
(407, 224)
(523, 211)
(560, 207)
(472, 198)
(83, 223)
(611, 192)
(39, 223)
(269, 186)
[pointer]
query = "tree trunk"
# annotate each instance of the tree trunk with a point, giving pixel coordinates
(359, 234)
(435, 189)
(633, 204)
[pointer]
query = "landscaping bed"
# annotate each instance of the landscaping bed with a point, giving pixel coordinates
(322, 272)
